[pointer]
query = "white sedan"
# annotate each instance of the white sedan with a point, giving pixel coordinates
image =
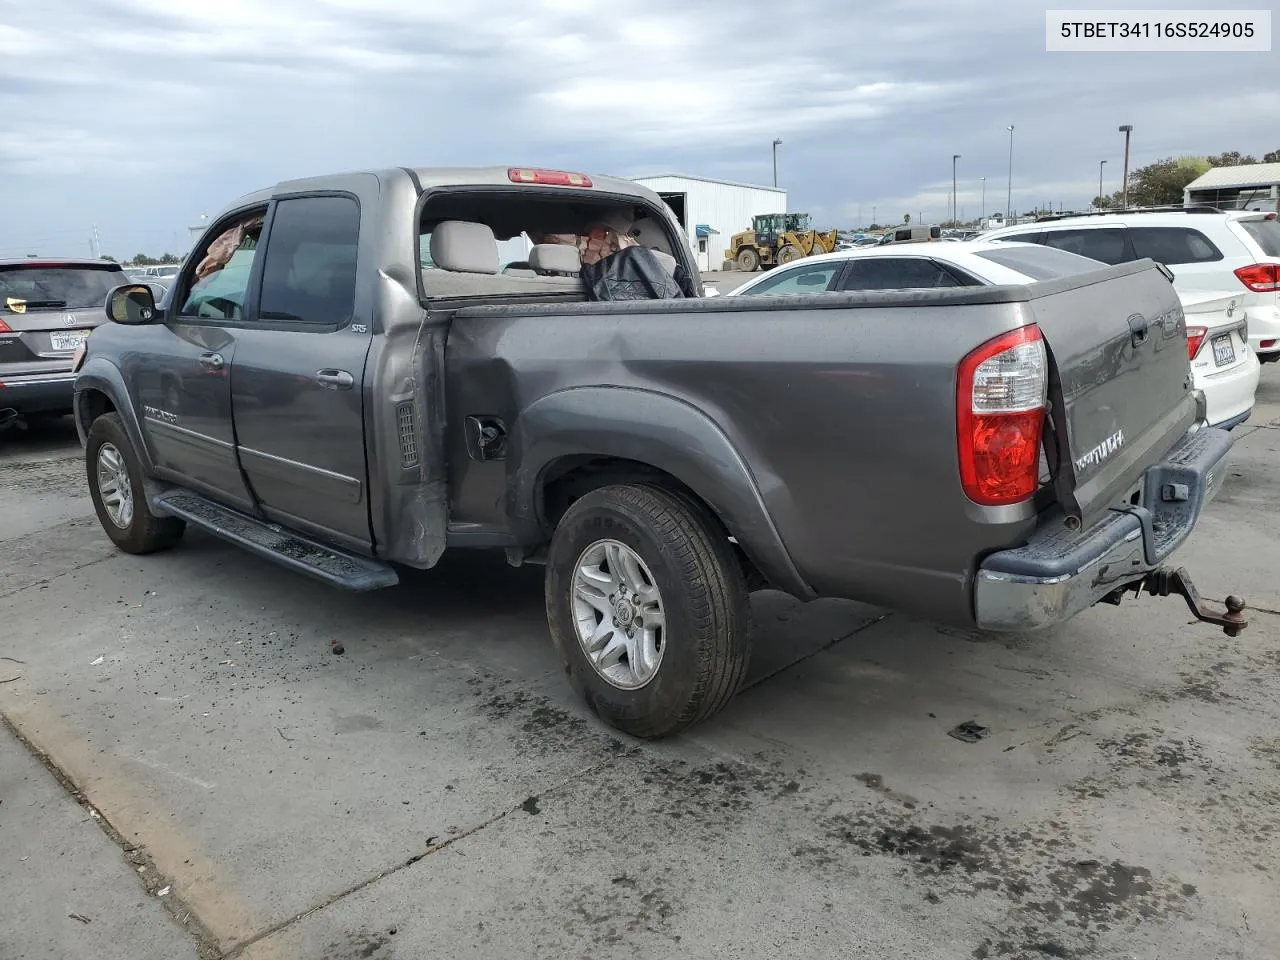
(1221, 364)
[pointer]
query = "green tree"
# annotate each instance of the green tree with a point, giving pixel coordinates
(1161, 183)
(168, 258)
(1232, 158)
(1272, 157)
(906, 219)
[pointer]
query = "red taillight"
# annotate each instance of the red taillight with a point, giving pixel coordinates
(5, 328)
(1260, 277)
(1000, 404)
(553, 178)
(1195, 340)
(1267, 344)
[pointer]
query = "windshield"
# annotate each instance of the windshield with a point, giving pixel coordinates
(59, 285)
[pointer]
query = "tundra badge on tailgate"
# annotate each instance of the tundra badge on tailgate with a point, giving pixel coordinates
(1101, 451)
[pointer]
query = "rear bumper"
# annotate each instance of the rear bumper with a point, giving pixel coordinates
(1264, 327)
(1229, 395)
(37, 393)
(1059, 573)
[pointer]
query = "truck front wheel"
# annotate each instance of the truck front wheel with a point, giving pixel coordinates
(648, 609)
(115, 486)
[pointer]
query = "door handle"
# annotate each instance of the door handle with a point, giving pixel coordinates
(211, 361)
(335, 379)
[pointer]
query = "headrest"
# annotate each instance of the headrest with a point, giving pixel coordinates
(555, 258)
(464, 247)
(667, 260)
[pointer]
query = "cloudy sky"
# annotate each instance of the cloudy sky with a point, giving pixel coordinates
(137, 116)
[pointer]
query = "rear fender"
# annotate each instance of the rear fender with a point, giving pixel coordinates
(101, 375)
(657, 430)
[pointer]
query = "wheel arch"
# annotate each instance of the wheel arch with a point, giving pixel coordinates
(100, 389)
(579, 439)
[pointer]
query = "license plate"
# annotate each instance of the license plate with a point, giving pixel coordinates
(1224, 351)
(68, 340)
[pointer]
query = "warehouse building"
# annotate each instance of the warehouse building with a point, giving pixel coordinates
(1250, 186)
(712, 211)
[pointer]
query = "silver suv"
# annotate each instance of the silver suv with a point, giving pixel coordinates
(47, 308)
(1209, 251)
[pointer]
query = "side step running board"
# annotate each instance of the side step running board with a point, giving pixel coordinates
(288, 549)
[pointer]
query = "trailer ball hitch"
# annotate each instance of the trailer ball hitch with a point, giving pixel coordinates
(1166, 581)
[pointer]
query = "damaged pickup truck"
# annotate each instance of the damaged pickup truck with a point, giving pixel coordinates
(354, 373)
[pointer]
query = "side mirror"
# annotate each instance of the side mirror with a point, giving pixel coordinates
(131, 303)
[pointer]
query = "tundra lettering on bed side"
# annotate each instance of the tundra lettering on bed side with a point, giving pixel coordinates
(1101, 451)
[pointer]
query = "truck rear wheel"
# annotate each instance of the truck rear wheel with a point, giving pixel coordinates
(115, 486)
(648, 609)
(748, 260)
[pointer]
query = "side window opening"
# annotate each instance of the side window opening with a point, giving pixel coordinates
(815, 278)
(897, 273)
(1106, 244)
(1173, 245)
(220, 282)
(309, 274)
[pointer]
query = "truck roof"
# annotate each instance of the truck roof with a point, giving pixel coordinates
(429, 177)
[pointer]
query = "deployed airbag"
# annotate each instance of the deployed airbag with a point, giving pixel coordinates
(633, 273)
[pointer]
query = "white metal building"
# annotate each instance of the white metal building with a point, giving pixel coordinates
(712, 211)
(1250, 186)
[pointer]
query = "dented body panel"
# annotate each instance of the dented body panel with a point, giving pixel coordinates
(821, 430)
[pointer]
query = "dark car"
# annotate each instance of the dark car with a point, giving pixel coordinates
(47, 308)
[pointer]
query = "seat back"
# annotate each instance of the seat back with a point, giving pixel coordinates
(555, 258)
(460, 246)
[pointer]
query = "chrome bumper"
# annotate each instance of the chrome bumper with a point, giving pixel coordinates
(1059, 573)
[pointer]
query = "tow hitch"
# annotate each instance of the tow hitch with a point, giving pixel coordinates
(1167, 581)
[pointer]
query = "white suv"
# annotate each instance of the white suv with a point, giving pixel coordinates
(1208, 250)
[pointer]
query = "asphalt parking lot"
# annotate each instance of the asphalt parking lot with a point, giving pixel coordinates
(189, 771)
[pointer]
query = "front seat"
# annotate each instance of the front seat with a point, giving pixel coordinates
(460, 246)
(555, 259)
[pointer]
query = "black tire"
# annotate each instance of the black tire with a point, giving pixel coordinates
(704, 599)
(145, 532)
(748, 260)
(789, 254)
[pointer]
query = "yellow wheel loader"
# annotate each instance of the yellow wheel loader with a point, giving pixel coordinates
(776, 239)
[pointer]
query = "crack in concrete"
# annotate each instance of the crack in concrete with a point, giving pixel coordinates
(813, 653)
(151, 878)
(239, 948)
(48, 580)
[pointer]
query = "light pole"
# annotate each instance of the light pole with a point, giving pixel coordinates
(954, 198)
(776, 141)
(984, 200)
(1101, 164)
(873, 216)
(1008, 200)
(1127, 129)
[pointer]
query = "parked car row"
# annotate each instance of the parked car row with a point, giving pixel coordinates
(1222, 252)
(1224, 268)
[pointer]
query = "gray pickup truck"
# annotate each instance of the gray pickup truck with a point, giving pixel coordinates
(354, 373)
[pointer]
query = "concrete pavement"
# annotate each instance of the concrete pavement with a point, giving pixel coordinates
(438, 791)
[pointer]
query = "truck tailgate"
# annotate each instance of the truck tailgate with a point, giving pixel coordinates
(1120, 386)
